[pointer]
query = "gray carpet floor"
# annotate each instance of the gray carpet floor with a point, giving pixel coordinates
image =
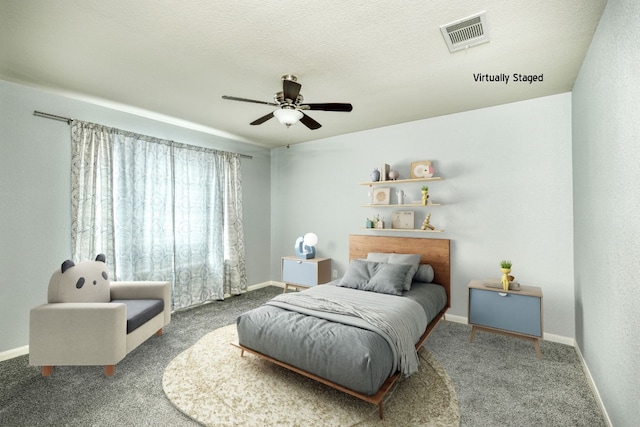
(498, 379)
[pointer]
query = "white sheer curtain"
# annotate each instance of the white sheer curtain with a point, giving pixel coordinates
(159, 210)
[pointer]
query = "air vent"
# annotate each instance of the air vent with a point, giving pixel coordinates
(466, 32)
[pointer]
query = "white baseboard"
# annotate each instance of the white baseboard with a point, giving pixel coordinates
(455, 319)
(265, 284)
(10, 354)
(559, 339)
(592, 384)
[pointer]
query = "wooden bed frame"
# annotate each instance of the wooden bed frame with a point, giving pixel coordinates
(435, 252)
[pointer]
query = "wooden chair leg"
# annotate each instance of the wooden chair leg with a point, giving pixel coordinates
(159, 332)
(47, 371)
(109, 370)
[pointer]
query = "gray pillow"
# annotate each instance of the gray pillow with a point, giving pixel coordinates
(388, 279)
(412, 259)
(373, 276)
(358, 274)
(424, 274)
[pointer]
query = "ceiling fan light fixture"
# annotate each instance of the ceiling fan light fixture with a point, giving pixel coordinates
(288, 116)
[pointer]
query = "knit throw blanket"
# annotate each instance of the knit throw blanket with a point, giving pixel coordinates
(395, 327)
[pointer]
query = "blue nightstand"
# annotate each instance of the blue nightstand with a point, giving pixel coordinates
(513, 313)
(304, 273)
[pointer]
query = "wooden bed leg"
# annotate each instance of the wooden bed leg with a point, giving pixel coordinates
(109, 370)
(380, 410)
(159, 332)
(47, 371)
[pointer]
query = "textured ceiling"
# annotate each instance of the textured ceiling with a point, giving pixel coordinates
(175, 59)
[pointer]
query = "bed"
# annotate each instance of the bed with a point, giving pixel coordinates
(358, 334)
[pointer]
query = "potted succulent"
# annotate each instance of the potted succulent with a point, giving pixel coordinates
(425, 195)
(505, 267)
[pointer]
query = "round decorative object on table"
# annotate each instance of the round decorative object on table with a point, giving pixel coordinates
(375, 175)
(393, 175)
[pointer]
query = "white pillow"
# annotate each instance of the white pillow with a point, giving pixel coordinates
(412, 259)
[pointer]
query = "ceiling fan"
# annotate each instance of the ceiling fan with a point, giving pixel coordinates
(291, 106)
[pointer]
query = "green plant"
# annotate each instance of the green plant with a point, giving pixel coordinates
(505, 263)
(425, 188)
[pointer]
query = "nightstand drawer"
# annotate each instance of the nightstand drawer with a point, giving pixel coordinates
(505, 310)
(306, 272)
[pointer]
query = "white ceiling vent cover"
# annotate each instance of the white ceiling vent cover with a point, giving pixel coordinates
(466, 32)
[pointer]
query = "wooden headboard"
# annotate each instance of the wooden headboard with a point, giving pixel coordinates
(435, 252)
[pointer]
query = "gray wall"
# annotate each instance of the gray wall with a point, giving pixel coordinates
(35, 213)
(606, 162)
(507, 192)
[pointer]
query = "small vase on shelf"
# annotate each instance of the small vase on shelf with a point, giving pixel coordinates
(505, 267)
(425, 195)
(505, 278)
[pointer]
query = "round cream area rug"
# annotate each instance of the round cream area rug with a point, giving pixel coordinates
(213, 385)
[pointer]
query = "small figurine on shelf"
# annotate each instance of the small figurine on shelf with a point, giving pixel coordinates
(425, 223)
(381, 223)
(425, 195)
(401, 195)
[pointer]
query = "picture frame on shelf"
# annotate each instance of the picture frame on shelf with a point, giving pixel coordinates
(402, 220)
(381, 196)
(421, 169)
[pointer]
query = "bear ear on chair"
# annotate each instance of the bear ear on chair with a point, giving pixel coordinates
(101, 258)
(67, 265)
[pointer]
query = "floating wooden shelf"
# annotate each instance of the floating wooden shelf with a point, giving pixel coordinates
(406, 205)
(410, 230)
(401, 181)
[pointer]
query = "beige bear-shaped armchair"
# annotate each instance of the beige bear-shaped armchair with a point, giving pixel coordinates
(89, 320)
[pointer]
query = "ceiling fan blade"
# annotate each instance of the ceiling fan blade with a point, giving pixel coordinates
(309, 122)
(235, 98)
(328, 106)
(262, 119)
(291, 89)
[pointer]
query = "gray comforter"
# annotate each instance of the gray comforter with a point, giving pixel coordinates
(352, 354)
(400, 321)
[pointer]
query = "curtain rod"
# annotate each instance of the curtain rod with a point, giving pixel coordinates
(69, 120)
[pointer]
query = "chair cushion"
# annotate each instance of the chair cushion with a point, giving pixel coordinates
(140, 311)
